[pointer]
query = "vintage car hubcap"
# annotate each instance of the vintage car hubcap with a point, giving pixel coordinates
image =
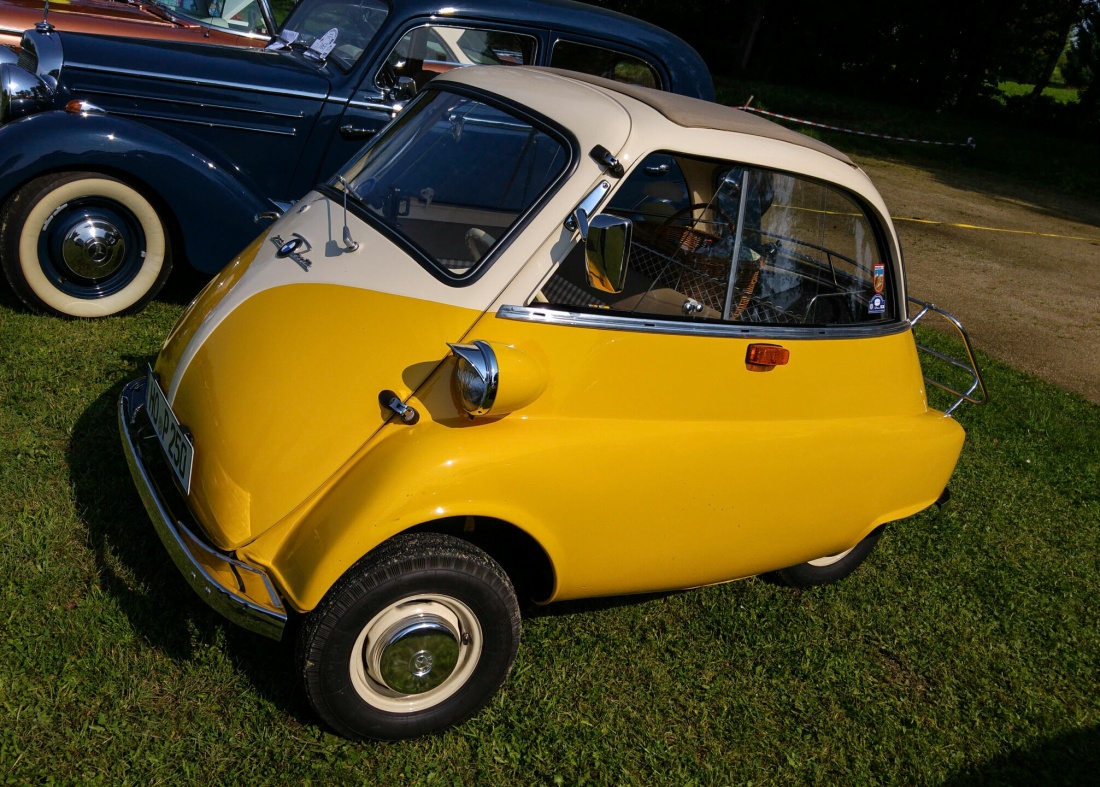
(91, 248)
(94, 249)
(418, 656)
(415, 653)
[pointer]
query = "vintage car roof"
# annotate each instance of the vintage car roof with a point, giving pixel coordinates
(693, 113)
(681, 110)
(580, 18)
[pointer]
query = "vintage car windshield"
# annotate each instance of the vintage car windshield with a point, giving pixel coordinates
(337, 30)
(239, 16)
(452, 175)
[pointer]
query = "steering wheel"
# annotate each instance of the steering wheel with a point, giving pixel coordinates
(672, 237)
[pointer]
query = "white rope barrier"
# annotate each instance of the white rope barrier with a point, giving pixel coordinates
(746, 108)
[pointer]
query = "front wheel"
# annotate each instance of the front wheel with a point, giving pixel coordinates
(82, 244)
(830, 568)
(416, 637)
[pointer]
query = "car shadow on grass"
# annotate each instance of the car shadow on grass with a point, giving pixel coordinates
(135, 570)
(1072, 758)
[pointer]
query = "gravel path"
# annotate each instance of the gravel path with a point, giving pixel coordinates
(1025, 298)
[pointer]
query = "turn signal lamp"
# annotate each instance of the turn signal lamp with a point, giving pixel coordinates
(765, 357)
(495, 379)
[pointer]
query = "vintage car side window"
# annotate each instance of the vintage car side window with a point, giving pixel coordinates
(600, 61)
(749, 246)
(451, 175)
(355, 23)
(428, 50)
(240, 16)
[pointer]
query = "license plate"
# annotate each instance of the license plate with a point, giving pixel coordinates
(173, 437)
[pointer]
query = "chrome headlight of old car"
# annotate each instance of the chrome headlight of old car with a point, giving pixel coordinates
(479, 369)
(28, 80)
(477, 377)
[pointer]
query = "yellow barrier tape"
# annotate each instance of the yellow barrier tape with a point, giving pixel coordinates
(998, 229)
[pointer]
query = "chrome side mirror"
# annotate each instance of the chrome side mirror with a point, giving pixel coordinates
(404, 90)
(607, 252)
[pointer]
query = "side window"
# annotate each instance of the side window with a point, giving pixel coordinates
(603, 62)
(428, 50)
(242, 16)
(728, 243)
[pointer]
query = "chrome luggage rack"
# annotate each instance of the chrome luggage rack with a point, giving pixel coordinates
(976, 383)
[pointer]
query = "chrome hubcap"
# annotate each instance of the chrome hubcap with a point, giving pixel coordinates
(94, 249)
(415, 653)
(416, 656)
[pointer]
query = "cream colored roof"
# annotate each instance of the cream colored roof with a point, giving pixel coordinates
(694, 113)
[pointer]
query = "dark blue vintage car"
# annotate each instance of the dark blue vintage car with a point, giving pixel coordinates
(120, 156)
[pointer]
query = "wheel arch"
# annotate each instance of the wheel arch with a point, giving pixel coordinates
(522, 557)
(181, 182)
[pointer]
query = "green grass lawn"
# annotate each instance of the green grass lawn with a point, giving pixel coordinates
(1061, 94)
(967, 650)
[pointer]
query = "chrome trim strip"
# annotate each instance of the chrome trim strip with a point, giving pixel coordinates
(375, 105)
(266, 616)
(201, 82)
(199, 104)
(16, 30)
(206, 124)
(976, 382)
(616, 322)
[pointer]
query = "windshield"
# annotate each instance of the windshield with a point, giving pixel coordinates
(337, 30)
(452, 175)
(238, 16)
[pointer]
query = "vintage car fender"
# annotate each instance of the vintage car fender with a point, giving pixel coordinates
(368, 500)
(187, 184)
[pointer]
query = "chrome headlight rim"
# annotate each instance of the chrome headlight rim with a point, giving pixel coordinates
(477, 377)
(21, 92)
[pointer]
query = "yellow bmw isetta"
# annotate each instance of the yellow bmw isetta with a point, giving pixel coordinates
(548, 336)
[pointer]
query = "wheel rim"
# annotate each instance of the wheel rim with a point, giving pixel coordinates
(415, 653)
(829, 560)
(91, 248)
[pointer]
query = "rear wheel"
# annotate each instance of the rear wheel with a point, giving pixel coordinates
(416, 637)
(830, 568)
(82, 244)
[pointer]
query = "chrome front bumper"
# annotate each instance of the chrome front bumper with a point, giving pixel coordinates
(242, 593)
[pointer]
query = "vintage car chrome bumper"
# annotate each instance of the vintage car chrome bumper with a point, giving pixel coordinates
(242, 593)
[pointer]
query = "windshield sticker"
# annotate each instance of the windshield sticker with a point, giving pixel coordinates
(879, 278)
(285, 39)
(320, 48)
(877, 304)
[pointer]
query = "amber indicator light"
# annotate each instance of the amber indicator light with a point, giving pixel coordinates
(765, 357)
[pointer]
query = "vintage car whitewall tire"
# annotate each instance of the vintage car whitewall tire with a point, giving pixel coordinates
(829, 568)
(416, 637)
(82, 244)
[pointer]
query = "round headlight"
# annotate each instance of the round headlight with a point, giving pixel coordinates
(476, 377)
(21, 92)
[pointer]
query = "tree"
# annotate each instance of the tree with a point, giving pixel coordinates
(1082, 67)
(1057, 26)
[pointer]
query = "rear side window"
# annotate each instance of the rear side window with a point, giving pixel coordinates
(599, 61)
(428, 50)
(717, 241)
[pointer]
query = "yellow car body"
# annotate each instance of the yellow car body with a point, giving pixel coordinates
(628, 449)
